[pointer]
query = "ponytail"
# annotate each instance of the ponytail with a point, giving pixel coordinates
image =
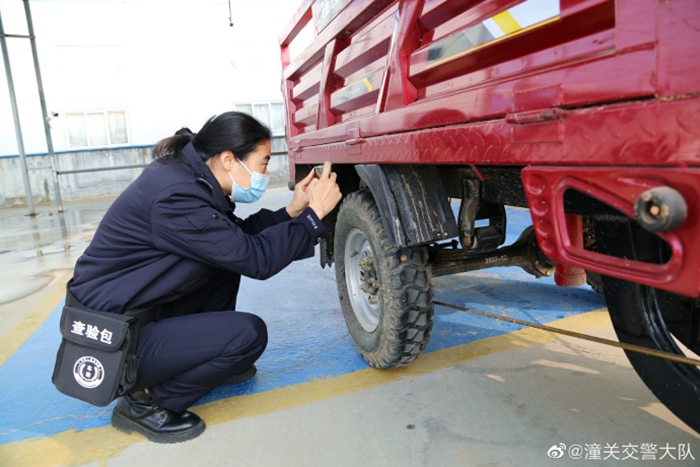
(170, 149)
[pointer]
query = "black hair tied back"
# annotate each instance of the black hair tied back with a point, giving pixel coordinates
(184, 131)
(230, 131)
(170, 149)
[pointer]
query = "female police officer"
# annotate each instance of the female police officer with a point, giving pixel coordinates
(171, 240)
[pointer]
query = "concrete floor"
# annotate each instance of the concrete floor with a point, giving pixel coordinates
(484, 393)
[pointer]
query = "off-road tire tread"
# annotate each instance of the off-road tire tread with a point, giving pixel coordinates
(406, 289)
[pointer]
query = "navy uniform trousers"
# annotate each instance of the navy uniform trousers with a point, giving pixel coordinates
(197, 344)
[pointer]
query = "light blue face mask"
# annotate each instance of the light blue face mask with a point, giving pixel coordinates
(258, 185)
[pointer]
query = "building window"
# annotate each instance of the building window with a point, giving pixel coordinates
(272, 115)
(96, 128)
(269, 113)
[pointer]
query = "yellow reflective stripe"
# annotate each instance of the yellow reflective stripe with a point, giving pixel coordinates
(523, 17)
(490, 43)
(367, 84)
(506, 22)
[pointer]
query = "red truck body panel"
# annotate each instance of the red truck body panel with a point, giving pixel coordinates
(599, 96)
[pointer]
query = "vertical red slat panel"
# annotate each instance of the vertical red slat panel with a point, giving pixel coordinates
(287, 90)
(679, 48)
(360, 67)
(635, 24)
(328, 85)
(397, 89)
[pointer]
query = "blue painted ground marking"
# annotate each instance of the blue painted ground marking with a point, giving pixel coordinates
(308, 336)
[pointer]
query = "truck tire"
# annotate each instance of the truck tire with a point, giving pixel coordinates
(658, 320)
(595, 280)
(385, 292)
(654, 319)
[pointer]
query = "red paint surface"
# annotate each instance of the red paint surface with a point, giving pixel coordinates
(610, 88)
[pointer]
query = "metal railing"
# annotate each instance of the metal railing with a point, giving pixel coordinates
(123, 167)
(15, 110)
(47, 128)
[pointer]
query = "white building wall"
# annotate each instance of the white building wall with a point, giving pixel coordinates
(167, 63)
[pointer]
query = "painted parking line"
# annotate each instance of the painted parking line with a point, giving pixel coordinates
(28, 326)
(98, 445)
(310, 356)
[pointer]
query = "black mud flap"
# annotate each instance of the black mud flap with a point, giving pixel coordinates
(412, 202)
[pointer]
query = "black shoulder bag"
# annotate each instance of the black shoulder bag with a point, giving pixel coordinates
(97, 361)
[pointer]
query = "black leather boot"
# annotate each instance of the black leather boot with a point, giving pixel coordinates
(241, 377)
(156, 423)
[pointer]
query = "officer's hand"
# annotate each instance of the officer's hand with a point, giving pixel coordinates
(324, 193)
(300, 199)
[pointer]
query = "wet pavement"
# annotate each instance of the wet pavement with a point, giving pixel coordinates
(484, 392)
(36, 250)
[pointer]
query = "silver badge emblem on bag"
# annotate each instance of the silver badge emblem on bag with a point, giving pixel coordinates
(88, 372)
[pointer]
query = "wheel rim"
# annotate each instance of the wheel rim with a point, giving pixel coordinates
(362, 280)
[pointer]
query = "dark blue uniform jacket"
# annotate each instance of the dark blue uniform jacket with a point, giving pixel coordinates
(173, 229)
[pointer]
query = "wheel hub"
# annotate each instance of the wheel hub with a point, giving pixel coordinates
(363, 283)
(368, 277)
